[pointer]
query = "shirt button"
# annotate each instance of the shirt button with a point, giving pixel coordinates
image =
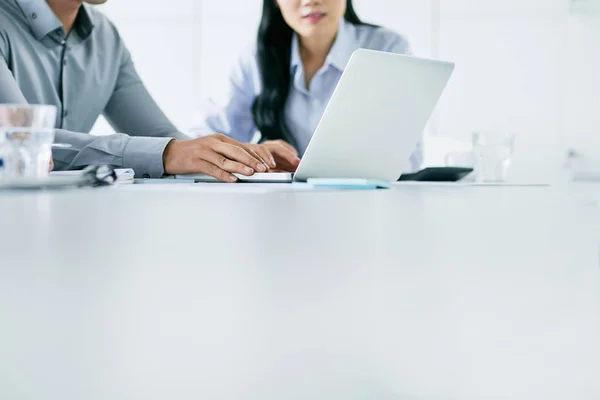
(64, 62)
(33, 16)
(65, 114)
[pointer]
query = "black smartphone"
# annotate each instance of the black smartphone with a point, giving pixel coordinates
(438, 174)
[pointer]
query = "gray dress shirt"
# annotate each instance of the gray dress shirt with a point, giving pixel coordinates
(85, 74)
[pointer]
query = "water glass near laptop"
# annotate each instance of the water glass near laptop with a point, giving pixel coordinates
(490, 157)
(493, 152)
(26, 138)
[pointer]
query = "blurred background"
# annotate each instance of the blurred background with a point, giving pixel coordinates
(531, 67)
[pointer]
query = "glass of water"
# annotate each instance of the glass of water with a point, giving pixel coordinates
(26, 137)
(493, 152)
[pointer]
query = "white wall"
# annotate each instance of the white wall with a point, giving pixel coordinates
(581, 105)
(521, 66)
(528, 66)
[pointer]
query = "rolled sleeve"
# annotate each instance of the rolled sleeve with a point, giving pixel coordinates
(145, 156)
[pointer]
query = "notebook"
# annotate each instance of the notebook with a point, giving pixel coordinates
(124, 175)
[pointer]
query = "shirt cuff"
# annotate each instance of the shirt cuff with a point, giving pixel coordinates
(145, 156)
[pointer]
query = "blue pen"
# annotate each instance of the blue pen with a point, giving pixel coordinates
(345, 183)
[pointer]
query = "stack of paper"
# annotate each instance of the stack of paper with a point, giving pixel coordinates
(124, 176)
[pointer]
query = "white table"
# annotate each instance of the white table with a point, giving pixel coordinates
(176, 292)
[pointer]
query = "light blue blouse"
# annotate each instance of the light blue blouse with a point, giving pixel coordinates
(231, 113)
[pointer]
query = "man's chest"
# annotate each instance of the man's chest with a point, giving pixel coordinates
(74, 77)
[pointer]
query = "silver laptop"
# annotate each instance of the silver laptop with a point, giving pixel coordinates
(373, 122)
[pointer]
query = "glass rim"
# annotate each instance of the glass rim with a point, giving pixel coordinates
(494, 132)
(29, 106)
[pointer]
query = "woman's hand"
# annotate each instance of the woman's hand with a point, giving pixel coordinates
(285, 155)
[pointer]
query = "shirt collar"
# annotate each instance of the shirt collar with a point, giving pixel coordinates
(43, 21)
(84, 22)
(40, 17)
(340, 52)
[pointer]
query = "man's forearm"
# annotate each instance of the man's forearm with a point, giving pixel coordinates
(144, 155)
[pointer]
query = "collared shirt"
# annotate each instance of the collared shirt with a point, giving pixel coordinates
(231, 113)
(85, 74)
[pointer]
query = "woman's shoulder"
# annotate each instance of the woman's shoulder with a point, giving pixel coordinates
(244, 66)
(381, 38)
(247, 56)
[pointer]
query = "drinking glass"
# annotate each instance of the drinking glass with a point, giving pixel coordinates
(26, 137)
(493, 152)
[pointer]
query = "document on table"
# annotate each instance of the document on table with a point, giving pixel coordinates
(124, 175)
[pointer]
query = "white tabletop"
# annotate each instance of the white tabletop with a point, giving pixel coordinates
(196, 292)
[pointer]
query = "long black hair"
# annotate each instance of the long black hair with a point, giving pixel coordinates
(274, 47)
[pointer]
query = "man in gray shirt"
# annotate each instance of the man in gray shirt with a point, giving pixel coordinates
(65, 53)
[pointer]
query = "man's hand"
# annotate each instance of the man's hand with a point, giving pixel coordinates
(51, 165)
(216, 155)
(285, 155)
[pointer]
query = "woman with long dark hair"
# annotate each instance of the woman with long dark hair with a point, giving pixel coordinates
(281, 88)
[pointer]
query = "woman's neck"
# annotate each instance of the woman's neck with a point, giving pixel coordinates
(313, 53)
(66, 11)
(315, 49)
